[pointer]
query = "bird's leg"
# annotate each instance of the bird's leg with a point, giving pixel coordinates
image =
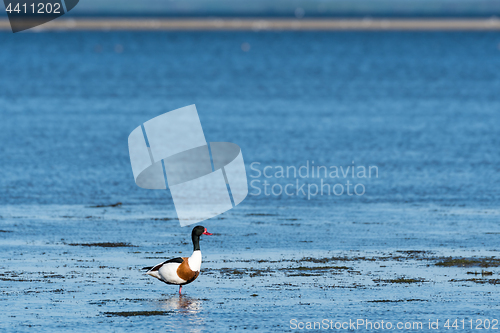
(180, 288)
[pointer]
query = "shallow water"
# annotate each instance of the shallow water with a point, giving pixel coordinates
(421, 107)
(259, 271)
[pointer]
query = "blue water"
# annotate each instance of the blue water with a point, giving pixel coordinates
(421, 107)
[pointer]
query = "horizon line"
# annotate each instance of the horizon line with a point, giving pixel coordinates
(265, 24)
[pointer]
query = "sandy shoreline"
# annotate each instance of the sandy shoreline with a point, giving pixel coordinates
(245, 24)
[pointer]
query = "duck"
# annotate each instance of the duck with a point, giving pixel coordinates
(182, 270)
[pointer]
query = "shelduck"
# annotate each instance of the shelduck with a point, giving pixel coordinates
(181, 271)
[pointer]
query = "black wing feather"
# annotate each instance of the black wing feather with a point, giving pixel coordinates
(178, 260)
(157, 267)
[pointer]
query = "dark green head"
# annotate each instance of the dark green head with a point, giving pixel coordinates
(195, 235)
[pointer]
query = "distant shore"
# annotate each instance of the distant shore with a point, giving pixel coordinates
(258, 24)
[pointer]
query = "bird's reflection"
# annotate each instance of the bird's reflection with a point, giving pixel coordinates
(190, 320)
(182, 303)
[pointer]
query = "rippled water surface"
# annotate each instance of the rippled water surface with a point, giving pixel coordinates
(420, 244)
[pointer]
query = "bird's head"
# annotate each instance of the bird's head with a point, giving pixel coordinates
(200, 230)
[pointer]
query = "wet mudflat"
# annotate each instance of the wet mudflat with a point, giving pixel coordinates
(78, 268)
